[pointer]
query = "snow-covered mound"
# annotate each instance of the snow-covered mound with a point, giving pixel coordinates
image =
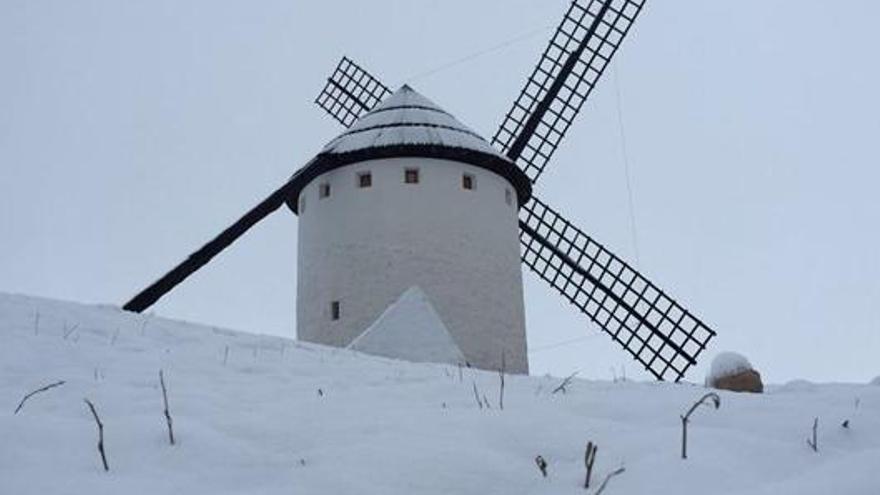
(260, 414)
(410, 329)
(726, 364)
(876, 380)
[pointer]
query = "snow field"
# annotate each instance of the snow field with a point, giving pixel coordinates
(258, 424)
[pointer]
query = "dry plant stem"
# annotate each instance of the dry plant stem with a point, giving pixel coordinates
(542, 465)
(814, 444)
(69, 331)
(100, 434)
(477, 396)
(715, 400)
(589, 459)
(607, 478)
(42, 389)
(565, 383)
(167, 413)
(501, 391)
(225, 355)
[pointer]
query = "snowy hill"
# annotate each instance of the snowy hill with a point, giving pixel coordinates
(262, 415)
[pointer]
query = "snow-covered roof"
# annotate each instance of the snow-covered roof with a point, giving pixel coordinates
(406, 124)
(408, 118)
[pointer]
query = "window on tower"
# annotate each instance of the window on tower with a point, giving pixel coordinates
(468, 182)
(334, 310)
(365, 179)
(411, 176)
(324, 190)
(302, 205)
(508, 197)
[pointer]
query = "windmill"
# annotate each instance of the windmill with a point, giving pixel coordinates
(652, 327)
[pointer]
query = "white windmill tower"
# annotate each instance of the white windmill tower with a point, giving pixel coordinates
(410, 197)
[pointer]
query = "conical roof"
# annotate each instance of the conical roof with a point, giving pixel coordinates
(408, 118)
(406, 124)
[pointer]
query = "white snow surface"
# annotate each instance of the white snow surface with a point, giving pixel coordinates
(257, 423)
(408, 118)
(726, 364)
(411, 330)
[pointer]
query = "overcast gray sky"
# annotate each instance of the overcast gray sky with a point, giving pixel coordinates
(132, 132)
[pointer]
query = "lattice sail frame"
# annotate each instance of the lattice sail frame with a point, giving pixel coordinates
(350, 91)
(575, 58)
(657, 331)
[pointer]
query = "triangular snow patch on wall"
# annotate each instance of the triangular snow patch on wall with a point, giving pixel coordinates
(410, 329)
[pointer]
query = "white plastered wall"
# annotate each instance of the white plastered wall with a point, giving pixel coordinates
(364, 247)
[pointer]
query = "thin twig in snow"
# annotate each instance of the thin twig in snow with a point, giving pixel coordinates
(715, 400)
(167, 414)
(612, 474)
(42, 389)
(100, 434)
(477, 396)
(501, 391)
(814, 444)
(589, 459)
(542, 465)
(36, 322)
(68, 331)
(565, 383)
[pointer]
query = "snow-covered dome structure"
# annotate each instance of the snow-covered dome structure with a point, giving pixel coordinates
(409, 196)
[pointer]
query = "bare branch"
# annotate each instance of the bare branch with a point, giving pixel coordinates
(68, 331)
(100, 434)
(43, 389)
(814, 444)
(612, 474)
(501, 391)
(167, 414)
(542, 465)
(589, 459)
(710, 398)
(477, 396)
(565, 383)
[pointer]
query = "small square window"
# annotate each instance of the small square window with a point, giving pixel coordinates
(411, 176)
(468, 182)
(508, 197)
(324, 190)
(365, 179)
(334, 310)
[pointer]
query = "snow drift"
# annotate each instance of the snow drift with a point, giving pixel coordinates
(410, 329)
(260, 414)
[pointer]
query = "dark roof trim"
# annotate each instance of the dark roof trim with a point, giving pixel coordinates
(326, 162)
(410, 124)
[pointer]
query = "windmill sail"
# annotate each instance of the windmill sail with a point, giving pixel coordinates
(203, 255)
(350, 92)
(575, 58)
(657, 331)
